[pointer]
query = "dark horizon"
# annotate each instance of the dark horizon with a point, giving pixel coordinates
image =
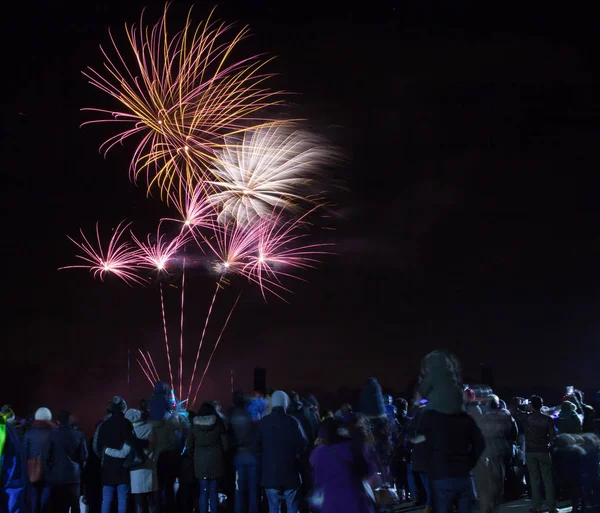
(470, 219)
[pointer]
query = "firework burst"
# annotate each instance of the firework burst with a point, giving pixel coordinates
(265, 168)
(181, 96)
(156, 255)
(119, 258)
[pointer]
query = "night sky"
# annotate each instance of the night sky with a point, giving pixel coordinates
(468, 215)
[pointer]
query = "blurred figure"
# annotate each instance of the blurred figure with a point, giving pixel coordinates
(33, 442)
(588, 412)
(281, 443)
(340, 467)
(12, 472)
(189, 487)
(539, 436)
(568, 459)
(569, 422)
(440, 382)
(498, 428)
(64, 457)
(168, 436)
(247, 487)
(160, 404)
(207, 441)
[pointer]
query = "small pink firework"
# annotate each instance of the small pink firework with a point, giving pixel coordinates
(156, 255)
(193, 206)
(119, 258)
(279, 250)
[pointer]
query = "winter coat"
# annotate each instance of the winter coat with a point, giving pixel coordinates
(143, 478)
(36, 438)
(497, 427)
(440, 386)
(569, 423)
(539, 431)
(64, 456)
(281, 443)
(169, 445)
(115, 433)
(207, 441)
(243, 429)
(12, 470)
(418, 453)
(336, 477)
(305, 418)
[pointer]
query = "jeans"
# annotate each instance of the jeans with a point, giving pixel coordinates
(208, 495)
(246, 483)
(40, 498)
(65, 498)
(276, 495)
(414, 487)
(450, 491)
(108, 493)
(539, 465)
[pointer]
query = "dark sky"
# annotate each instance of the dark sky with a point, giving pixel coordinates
(471, 220)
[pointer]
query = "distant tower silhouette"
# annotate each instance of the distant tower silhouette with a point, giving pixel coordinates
(487, 375)
(260, 380)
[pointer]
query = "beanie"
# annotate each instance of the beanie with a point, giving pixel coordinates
(43, 414)
(280, 399)
(118, 404)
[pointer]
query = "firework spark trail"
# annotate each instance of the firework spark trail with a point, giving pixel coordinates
(215, 347)
(155, 372)
(148, 366)
(263, 169)
(144, 371)
(182, 96)
(210, 308)
(119, 258)
(181, 331)
(164, 319)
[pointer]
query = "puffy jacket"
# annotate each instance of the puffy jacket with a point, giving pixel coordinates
(35, 439)
(243, 429)
(207, 441)
(12, 470)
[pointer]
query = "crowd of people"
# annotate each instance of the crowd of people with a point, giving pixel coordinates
(450, 449)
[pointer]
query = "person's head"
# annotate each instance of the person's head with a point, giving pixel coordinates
(326, 414)
(207, 409)
(332, 431)
(133, 415)
(64, 418)
(568, 407)
(294, 396)
(280, 399)
(346, 409)
(578, 394)
(441, 361)
(117, 405)
(536, 402)
(314, 403)
(470, 396)
(494, 402)
(401, 405)
(43, 414)
(161, 388)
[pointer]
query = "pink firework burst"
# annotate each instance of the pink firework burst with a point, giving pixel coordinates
(193, 206)
(156, 255)
(280, 249)
(120, 258)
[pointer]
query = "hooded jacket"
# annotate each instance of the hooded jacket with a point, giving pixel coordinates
(440, 386)
(207, 441)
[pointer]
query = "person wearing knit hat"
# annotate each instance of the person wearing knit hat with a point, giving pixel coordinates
(569, 422)
(43, 414)
(440, 382)
(34, 441)
(117, 404)
(280, 399)
(281, 443)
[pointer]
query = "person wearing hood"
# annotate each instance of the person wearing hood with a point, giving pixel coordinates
(297, 410)
(207, 441)
(440, 382)
(569, 421)
(383, 429)
(160, 404)
(33, 443)
(12, 471)
(281, 443)
(115, 440)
